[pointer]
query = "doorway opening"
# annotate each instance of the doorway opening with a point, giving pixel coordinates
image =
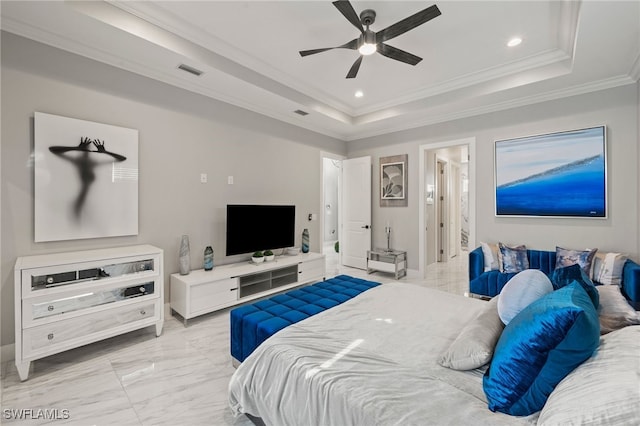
(330, 222)
(447, 200)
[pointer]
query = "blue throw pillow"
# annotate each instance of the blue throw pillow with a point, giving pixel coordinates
(543, 344)
(562, 277)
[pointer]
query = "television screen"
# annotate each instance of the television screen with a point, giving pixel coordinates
(561, 174)
(259, 227)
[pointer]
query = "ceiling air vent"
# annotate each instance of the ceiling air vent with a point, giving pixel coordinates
(189, 69)
(301, 112)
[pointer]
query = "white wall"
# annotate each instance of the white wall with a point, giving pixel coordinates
(181, 135)
(617, 108)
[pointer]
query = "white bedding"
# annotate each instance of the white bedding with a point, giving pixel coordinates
(369, 361)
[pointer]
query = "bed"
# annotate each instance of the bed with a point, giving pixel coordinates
(376, 360)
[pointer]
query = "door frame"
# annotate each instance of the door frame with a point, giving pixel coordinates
(442, 200)
(321, 225)
(422, 150)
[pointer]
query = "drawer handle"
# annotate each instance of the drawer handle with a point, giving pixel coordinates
(49, 280)
(50, 336)
(50, 308)
(142, 312)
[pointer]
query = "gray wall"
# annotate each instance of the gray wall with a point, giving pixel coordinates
(181, 135)
(617, 108)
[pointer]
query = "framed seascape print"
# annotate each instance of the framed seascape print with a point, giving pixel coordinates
(561, 174)
(393, 181)
(86, 179)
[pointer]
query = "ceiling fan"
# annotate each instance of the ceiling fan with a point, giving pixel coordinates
(370, 42)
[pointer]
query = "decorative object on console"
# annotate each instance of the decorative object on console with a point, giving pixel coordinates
(512, 259)
(545, 342)
(257, 257)
(567, 257)
(85, 179)
(554, 175)
(387, 230)
(185, 257)
(268, 256)
(393, 181)
(305, 240)
(208, 258)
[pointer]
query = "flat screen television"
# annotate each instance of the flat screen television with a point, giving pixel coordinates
(252, 227)
(562, 174)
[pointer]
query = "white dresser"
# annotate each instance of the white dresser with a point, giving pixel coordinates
(66, 300)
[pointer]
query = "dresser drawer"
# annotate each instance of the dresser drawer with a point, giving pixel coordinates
(215, 293)
(87, 328)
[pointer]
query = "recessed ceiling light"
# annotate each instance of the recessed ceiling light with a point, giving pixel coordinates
(514, 42)
(359, 94)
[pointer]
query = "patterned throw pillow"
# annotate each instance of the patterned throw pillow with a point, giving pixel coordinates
(567, 257)
(490, 254)
(607, 268)
(512, 259)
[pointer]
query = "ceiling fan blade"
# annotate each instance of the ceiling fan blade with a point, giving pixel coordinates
(355, 67)
(398, 54)
(407, 24)
(353, 45)
(348, 12)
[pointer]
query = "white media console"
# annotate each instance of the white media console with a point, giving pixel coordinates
(201, 292)
(66, 300)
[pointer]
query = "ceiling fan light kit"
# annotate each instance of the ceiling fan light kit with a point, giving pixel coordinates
(370, 42)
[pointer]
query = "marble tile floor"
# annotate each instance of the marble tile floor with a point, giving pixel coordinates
(179, 378)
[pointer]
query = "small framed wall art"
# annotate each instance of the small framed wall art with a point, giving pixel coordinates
(393, 181)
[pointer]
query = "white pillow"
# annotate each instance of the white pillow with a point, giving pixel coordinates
(607, 268)
(614, 312)
(490, 253)
(475, 344)
(604, 389)
(520, 291)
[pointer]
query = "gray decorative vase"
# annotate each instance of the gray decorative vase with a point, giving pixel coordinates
(185, 256)
(305, 240)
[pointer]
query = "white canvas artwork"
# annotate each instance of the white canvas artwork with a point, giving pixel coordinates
(86, 179)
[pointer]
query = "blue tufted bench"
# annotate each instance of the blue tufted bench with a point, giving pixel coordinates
(253, 324)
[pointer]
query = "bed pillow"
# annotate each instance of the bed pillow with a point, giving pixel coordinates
(603, 390)
(607, 268)
(512, 259)
(567, 257)
(520, 291)
(540, 347)
(562, 277)
(615, 312)
(474, 346)
(490, 254)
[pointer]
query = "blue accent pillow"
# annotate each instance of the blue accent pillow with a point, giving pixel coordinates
(512, 259)
(561, 277)
(543, 344)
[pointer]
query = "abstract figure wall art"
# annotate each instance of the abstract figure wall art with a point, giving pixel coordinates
(86, 179)
(561, 174)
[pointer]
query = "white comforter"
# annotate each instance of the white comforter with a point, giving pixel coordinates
(369, 361)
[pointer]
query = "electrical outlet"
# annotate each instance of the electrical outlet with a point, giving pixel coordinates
(230, 180)
(203, 178)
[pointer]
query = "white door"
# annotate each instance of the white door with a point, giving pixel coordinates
(356, 212)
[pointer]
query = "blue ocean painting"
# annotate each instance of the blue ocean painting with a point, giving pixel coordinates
(561, 174)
